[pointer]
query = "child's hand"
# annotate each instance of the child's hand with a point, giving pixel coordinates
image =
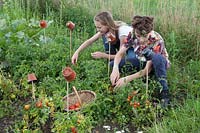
(74, 58)
(114, 76)
(121, 82)
(98, 55)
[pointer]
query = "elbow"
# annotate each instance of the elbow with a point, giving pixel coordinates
(143, 72)
(120, 54)
(88, 41)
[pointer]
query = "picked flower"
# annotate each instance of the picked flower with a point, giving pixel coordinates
(70, 25)
(69, 74)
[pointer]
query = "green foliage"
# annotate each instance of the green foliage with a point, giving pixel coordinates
(65, 121)
(80, 16)
(8, 93)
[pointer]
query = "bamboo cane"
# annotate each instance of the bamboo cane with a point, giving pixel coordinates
(109, 60)
(79, 99)
(147, 83)
(70, 47)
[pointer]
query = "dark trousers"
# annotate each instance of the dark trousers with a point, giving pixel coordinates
(130, 54)
(159, 67)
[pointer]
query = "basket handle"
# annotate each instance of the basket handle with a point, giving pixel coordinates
(74, 88)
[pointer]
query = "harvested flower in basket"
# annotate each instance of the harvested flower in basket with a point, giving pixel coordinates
(69, 74)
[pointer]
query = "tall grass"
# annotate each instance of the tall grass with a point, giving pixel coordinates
(169, 14)
(181, 120)
(172, 18)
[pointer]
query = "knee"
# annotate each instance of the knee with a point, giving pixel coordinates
(135, 63)
(133, 60)
(158, 59)
(131, 56)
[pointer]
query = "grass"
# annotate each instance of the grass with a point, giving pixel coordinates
(183, 119)
(173, 18)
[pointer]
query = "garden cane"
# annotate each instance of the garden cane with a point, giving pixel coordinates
(79, 99)
(31, 79)
(69, 76)
(111, 38)
(45, 37)
(43, 25)
(147, 84)
(70, 25)
(70, 45)
(109, 60)
(67, 95)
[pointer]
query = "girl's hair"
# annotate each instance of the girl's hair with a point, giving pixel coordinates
(106, 18)
(142, 24)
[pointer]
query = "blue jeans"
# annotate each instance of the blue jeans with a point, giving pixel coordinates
(113, 48)
(130, 54)
(159, 68)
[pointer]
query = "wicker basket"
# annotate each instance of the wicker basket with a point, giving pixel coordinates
(86, 97)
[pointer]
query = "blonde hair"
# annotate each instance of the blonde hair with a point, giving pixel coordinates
(106, 18)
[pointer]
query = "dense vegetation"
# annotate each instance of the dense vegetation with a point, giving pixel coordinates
(27, 48)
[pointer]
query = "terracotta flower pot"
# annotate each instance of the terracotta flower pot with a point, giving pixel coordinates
(31, 78)
(69, 74)
(70, 25)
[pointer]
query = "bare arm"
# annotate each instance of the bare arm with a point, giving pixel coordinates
(84, 45)
(121, 52)
(141, 73)
(89, 42)
(122, 40)
(125, 80)
(115, 72)
(98, 54)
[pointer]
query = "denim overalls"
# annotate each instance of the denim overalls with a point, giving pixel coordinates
(130, 54)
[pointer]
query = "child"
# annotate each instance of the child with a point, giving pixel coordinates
(110, 31)
(150, 53)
